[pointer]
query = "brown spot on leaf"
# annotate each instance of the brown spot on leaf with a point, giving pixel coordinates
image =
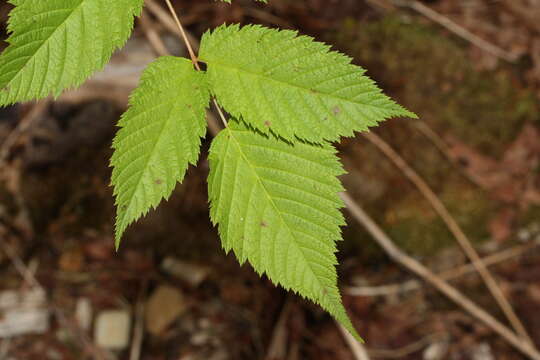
(264, 224)
(158, 181)
(336, 110)
(267, 123)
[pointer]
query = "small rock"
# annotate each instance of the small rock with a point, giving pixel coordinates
(83, 313)
(112, 329)
(524, 235)
(200, 339)
(163, 308)
(193, 274)
(71, 260)
(53, 354)
(482, 352)
(436, 351)
(221, 354)
(23, 312)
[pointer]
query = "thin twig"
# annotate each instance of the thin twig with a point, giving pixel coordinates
(452, 293)
(194, 59)
(451, 274)
(457, 29)
(278, 343)
(358, 350)
(455, 229)
(192, 55)
(442, 146)
(529, 16)
(159, 46)
(20, 266)
(168, 22)
(138, 330)
(152, 35)
(4, 348)
(21, 128)
(402, 352)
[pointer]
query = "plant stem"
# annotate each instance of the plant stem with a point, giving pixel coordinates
(184, 36)
(192, 55)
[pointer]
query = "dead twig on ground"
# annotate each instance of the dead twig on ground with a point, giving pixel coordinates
(278, 343)
(169, 23)
(152, 35)
(529, 16)
(442, 146)
(357, 348)
(10, 174)
(24, 124)
(18, 264)
(4, 348)
(267, 17)
(451, 274)
(138, 330)
(406, 350)
(456, 29)
(452, 293)
(455, 229)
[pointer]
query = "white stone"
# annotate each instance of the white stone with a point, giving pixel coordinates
(112, 329)
(435, 351)
(83, 313)
(23, 312)
(164, 306)
(193, 274)
(482, 352)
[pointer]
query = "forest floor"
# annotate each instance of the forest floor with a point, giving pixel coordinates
(477, 146)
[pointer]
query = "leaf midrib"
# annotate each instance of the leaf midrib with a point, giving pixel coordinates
(145, 167)
(46, 41)
(281, 82)
(289, 230)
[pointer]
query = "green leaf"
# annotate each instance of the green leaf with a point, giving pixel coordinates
(159, 136)
(277, 205)
(57, 44)
(291, 85)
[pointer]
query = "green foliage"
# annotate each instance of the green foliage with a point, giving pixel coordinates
(159, 136)
(57, 44)
(291, 85)
(277, 205)
(273, 182)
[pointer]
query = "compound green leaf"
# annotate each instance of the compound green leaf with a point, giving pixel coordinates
(57, 44)
(277, 206)
(291, 85)
(160, 136)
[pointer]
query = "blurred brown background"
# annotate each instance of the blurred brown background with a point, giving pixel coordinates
(469, 68)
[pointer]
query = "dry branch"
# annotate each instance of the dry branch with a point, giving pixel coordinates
(451, 274)
(452, 293)
(455, 229)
